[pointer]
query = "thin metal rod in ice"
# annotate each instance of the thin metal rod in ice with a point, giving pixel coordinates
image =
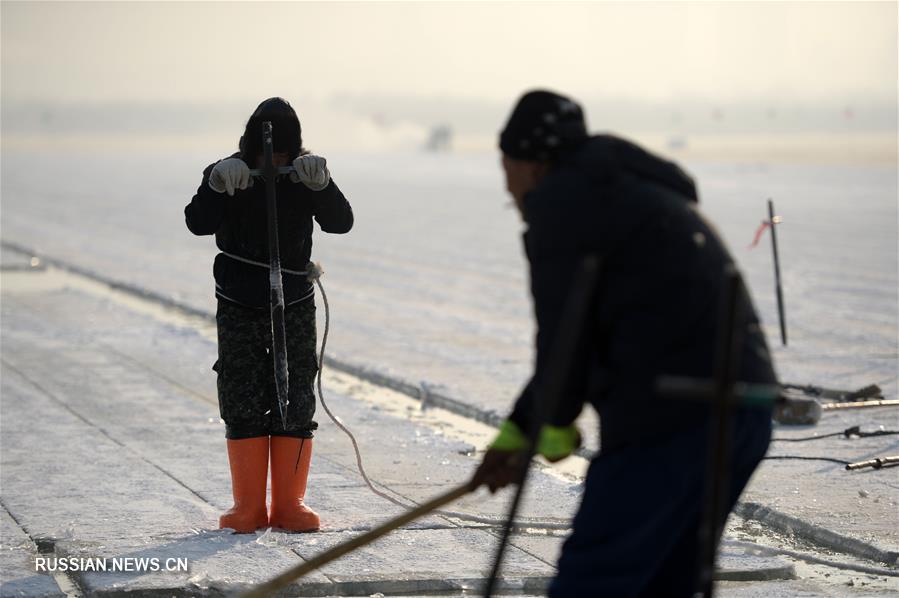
(781, 310)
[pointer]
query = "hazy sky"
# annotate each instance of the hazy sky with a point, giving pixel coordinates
(719, 51)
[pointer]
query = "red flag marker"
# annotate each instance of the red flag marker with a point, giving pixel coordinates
(758, 233)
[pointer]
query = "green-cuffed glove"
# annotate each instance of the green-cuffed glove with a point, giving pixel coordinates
(510, 438)
(555, 442)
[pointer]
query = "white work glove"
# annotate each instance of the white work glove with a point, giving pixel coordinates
(230, 174)
(312, 171)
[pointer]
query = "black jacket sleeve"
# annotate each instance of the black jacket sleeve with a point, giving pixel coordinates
(554, 258)
(331, 209)
(205, 211)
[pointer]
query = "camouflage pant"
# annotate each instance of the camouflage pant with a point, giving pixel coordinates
(246, 385)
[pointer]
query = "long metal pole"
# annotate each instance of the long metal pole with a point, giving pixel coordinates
(546, 397)
(730, 339)
(279, 334)
(773, 221)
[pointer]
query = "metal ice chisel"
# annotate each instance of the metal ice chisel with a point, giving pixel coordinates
(279, 170)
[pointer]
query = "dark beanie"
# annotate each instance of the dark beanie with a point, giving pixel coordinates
(542, 125)
(286, 131)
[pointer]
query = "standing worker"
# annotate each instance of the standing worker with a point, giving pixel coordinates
(656, 313)
(232, 206)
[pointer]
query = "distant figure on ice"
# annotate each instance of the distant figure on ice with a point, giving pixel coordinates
(230, 205)
(656, 313)
(440, 139)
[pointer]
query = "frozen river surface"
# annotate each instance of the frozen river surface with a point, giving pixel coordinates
(431, 286)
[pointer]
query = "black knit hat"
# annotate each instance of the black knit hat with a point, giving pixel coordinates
(286, 132)
(542, 125)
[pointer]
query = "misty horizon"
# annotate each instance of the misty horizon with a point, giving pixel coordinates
(462, 115)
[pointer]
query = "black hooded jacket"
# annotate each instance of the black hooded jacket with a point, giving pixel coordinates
(656, 312)
(240, 222)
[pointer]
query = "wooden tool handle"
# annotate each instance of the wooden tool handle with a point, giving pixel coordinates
(284, 579)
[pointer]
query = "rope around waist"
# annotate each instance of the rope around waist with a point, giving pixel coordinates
(220, 292)
(264, 265)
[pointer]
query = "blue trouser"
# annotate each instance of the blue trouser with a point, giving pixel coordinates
(636, 533)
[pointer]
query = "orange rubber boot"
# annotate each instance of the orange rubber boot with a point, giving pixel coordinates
(249, 472)
(290, 468)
